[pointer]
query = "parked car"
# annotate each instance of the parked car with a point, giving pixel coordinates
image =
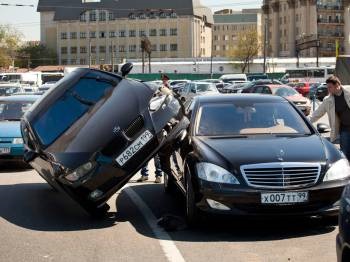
(249, 87)
(322, 92)
(45, 87)
(219, 83)
(256, 77)
(9, 89)
(303, 88)
(12, 108)
(234, 88)
(313, 90)
(91, 133)
(287, 92)
(233, 77)
(253, 155)
(343, 238)
(193, 89)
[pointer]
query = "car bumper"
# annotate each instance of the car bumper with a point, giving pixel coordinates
(323, 200)
(15, 155)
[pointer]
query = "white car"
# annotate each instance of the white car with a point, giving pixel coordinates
(234, 78)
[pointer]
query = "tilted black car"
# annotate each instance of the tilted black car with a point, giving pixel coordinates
(343, 238)
(92, 132)
(255, 155)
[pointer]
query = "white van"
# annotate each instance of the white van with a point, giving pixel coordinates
(233, 78)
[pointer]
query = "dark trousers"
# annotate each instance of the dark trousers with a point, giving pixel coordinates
(144, 170)
(345, 143)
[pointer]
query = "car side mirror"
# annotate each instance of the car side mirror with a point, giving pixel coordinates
(29, 156)
(193, 90)
(323, 128)
(126, 69)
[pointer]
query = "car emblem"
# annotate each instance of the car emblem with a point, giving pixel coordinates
(116, 130)
(280, 155)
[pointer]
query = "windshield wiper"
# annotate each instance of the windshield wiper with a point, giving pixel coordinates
(11, 119)
(229, 136)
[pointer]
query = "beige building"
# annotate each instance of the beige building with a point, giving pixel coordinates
(297, 25)
(114, 29)
(228, 24)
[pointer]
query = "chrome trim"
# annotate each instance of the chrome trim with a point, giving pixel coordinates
(261, 176)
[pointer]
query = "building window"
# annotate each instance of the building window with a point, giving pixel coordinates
(173, 47)
(217, 48)
(296, 18)
(173, 31)
(153, 32)
(142, 16)
(110, 16)
(154, 48)
(152, 15)
(92, 34)
(216, 38)
(111, 34)
(132, 33)
(122, 33)
(142, 33)
(163, 47)
(102, 34)
(64, 62)
(102, 16)
(112, 50)
(83, 61)
(132, 48)
(93, 49)
(73, 50)
(73, 61)
(83, 50)
(64, 50)
(102, 49)
(83, 17)
(162, 32)
(163, 15)
(82, 35)
(132, 16)
(173, 15)
(225, 38)
(121, 49)
(92, 16)
(73, 35)
(64, 35)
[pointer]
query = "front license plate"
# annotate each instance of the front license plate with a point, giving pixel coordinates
(136, 146)
(284, 198)
(4, 150)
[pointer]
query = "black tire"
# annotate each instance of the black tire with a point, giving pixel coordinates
(100, 212)
(169, 184)
(193, 215)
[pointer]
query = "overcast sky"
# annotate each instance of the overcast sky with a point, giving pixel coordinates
(26, 19)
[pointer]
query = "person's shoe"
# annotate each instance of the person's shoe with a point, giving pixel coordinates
(142, 179)
(158, 180)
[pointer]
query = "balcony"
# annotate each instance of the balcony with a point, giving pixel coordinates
(330, 34)
(330, 8)
(330, 21)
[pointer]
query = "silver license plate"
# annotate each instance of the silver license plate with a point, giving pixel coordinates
(136, 146)
(285, 198)
(5, 150)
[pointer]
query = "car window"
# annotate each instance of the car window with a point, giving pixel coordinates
(75, 102)
(249, 119)
(205, 87)
(284, 91)
(13, 110)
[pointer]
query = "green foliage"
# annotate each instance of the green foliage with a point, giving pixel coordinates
(36, 55)
(10, 40)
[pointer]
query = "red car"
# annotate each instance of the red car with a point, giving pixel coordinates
(303, 88)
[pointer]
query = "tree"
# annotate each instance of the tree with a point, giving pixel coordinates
(34, 55)
(247, 48)
(10, 40)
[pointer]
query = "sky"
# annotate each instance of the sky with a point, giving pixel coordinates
(27, 20)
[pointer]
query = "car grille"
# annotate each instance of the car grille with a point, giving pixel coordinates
(281, 175)
(135, 127)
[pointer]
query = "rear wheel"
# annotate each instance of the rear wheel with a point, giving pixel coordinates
(193, 214)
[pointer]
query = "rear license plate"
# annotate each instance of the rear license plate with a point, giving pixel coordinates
(4, 150)
(285, 198)
(136, 146)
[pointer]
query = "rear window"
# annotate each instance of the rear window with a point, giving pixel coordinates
(75, 102)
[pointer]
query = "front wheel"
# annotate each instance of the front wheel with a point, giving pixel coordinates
(193, 214)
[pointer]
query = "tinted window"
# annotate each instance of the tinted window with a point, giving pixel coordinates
(249, 118)
(13, 110)
(284, 91)
(205, 87)
(75, 102)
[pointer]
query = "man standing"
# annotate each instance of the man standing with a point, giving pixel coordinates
(337, 106)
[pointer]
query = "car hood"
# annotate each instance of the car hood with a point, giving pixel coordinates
(10, 129)
(242, 151)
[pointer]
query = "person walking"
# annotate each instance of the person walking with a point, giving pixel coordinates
(337, 106)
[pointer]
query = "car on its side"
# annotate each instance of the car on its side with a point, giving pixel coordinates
(193, 89)
(254, 155)
(287, 92)
(12, 108)
(343, 237)
(92, 132)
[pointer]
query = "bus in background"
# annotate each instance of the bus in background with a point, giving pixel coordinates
(308, 75)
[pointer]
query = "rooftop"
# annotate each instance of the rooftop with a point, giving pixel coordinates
(235, 18)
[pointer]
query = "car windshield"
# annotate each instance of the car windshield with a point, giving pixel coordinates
(71, 106)
(205, 88)
(245, 118)
(285, 91)
(13, 111)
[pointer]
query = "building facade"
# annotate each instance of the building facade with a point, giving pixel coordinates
(98, 32)
(307, 27)
(228, 24)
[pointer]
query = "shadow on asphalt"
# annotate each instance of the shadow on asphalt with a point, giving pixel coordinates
(38, 207)
(218, 229)
(14, 167)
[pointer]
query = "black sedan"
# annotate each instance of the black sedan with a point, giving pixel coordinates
(92, 132)
(321, 92)
(255, 155)
(343, 238)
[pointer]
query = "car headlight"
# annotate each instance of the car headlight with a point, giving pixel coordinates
(213, 173)
(80, 172)
(338, 170)
(157, 102)
(17, 141)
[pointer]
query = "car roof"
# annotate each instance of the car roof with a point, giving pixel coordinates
(236, 98)
(275, 86)
(20, 98)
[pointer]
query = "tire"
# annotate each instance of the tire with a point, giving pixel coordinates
(193, 215)
(99, 213)
(169, 184)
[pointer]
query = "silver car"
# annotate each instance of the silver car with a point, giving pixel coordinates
(193, 89)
